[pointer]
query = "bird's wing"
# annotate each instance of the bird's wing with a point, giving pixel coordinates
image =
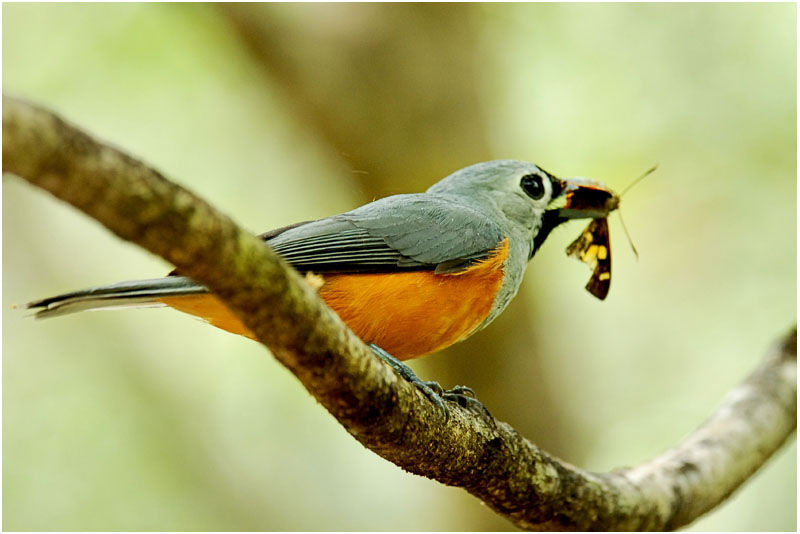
(402, 232)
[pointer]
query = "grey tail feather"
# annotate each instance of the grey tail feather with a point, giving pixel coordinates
(136, 293)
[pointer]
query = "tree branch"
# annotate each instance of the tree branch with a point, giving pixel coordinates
(389, 416)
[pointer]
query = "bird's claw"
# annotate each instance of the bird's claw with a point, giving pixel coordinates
(462, 395)
(432, 390)
(465, 397)
(462, 390)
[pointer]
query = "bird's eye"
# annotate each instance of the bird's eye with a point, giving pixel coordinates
(533, 186)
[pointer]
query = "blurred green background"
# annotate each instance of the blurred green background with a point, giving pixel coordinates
(151, 420)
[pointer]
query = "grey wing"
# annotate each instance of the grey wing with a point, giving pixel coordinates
(402, 232)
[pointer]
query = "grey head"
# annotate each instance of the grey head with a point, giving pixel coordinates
(516, 195)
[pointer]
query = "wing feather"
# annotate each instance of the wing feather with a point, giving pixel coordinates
(402, 232)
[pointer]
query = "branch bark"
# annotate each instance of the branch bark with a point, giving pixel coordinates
(488, 458)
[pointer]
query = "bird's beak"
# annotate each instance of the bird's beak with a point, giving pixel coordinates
(583, 198)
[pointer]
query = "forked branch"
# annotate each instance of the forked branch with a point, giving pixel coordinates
(487, 458)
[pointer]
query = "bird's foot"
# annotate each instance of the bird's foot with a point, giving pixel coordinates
(464, 396)
(461, 395)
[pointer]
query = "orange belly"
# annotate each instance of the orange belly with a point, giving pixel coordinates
(408, 314)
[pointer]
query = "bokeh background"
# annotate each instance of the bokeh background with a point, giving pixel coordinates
(151, 420)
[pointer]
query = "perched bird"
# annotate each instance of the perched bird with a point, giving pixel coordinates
(410, 274)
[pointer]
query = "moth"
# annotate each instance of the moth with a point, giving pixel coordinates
(593, 245)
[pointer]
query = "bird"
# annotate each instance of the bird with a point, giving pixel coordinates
(410, 274)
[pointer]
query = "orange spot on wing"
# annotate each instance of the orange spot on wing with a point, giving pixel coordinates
(408, 314)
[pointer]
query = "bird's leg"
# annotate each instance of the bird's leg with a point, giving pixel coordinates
(432, 390)
(462, 395)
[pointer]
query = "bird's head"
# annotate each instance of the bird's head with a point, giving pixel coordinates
(530, 200)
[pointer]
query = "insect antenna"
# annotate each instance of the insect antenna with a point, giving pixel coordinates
(639, 179)
(628, 188)
(628, 235)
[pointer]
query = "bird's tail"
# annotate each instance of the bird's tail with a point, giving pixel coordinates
(134, 294)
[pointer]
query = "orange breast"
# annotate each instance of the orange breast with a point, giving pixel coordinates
(408, 314)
